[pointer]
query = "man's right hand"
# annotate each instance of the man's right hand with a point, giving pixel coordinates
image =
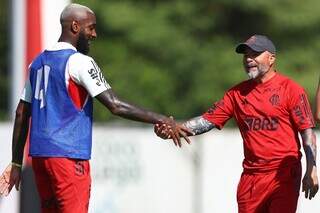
(173, 130)
(10, 177)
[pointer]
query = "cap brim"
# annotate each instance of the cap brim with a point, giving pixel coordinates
(242, 46)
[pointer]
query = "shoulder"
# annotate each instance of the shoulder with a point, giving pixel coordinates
(80, 64)
(37, 60)
(289, 84)
(80, 60)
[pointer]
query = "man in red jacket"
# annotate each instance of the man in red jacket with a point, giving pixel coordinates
(270, 110)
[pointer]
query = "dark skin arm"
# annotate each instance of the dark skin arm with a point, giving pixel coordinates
(11, 175)
(123, 109)
(129, 111)
(20, 131)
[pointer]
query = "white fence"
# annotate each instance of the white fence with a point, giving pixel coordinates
(134, 171)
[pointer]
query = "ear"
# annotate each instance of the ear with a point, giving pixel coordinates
(75, 27)
(272, 59)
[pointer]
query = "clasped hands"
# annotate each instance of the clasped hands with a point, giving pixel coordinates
(169, 128)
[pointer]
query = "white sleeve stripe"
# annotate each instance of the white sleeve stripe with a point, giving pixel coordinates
(101, 77)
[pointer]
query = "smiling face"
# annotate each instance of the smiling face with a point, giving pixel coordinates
(257, 64)
(87, 33)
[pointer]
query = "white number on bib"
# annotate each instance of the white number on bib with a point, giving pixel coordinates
(41, 85)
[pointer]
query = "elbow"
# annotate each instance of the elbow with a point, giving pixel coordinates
(112, 102)
(115, 108)
(115, 111)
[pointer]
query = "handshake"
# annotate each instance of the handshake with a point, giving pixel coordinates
(169, 128)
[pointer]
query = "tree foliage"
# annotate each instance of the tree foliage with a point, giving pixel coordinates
(177, 57)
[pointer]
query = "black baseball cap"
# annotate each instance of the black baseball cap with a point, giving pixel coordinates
(258, 43)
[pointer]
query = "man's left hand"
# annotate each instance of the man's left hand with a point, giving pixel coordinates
(310, 183)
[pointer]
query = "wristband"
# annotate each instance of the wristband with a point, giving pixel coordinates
(16, 164)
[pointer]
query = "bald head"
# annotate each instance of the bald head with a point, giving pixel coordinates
(74, 12)
(78, 24)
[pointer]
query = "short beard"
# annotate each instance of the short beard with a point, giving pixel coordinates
(82, 43)
(259, 72)
(253, 74)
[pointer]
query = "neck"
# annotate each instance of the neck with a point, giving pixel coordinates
(266, 76)
(68, 39)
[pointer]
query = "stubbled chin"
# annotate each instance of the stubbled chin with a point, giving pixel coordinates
(252, 74)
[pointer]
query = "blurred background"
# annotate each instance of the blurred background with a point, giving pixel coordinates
(175, 57)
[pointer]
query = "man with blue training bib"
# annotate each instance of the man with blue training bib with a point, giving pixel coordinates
(58, 97)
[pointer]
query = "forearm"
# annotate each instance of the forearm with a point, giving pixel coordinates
(136, 113)
(310, 148)
(20, 132)
(198, 125)
(127, 110)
